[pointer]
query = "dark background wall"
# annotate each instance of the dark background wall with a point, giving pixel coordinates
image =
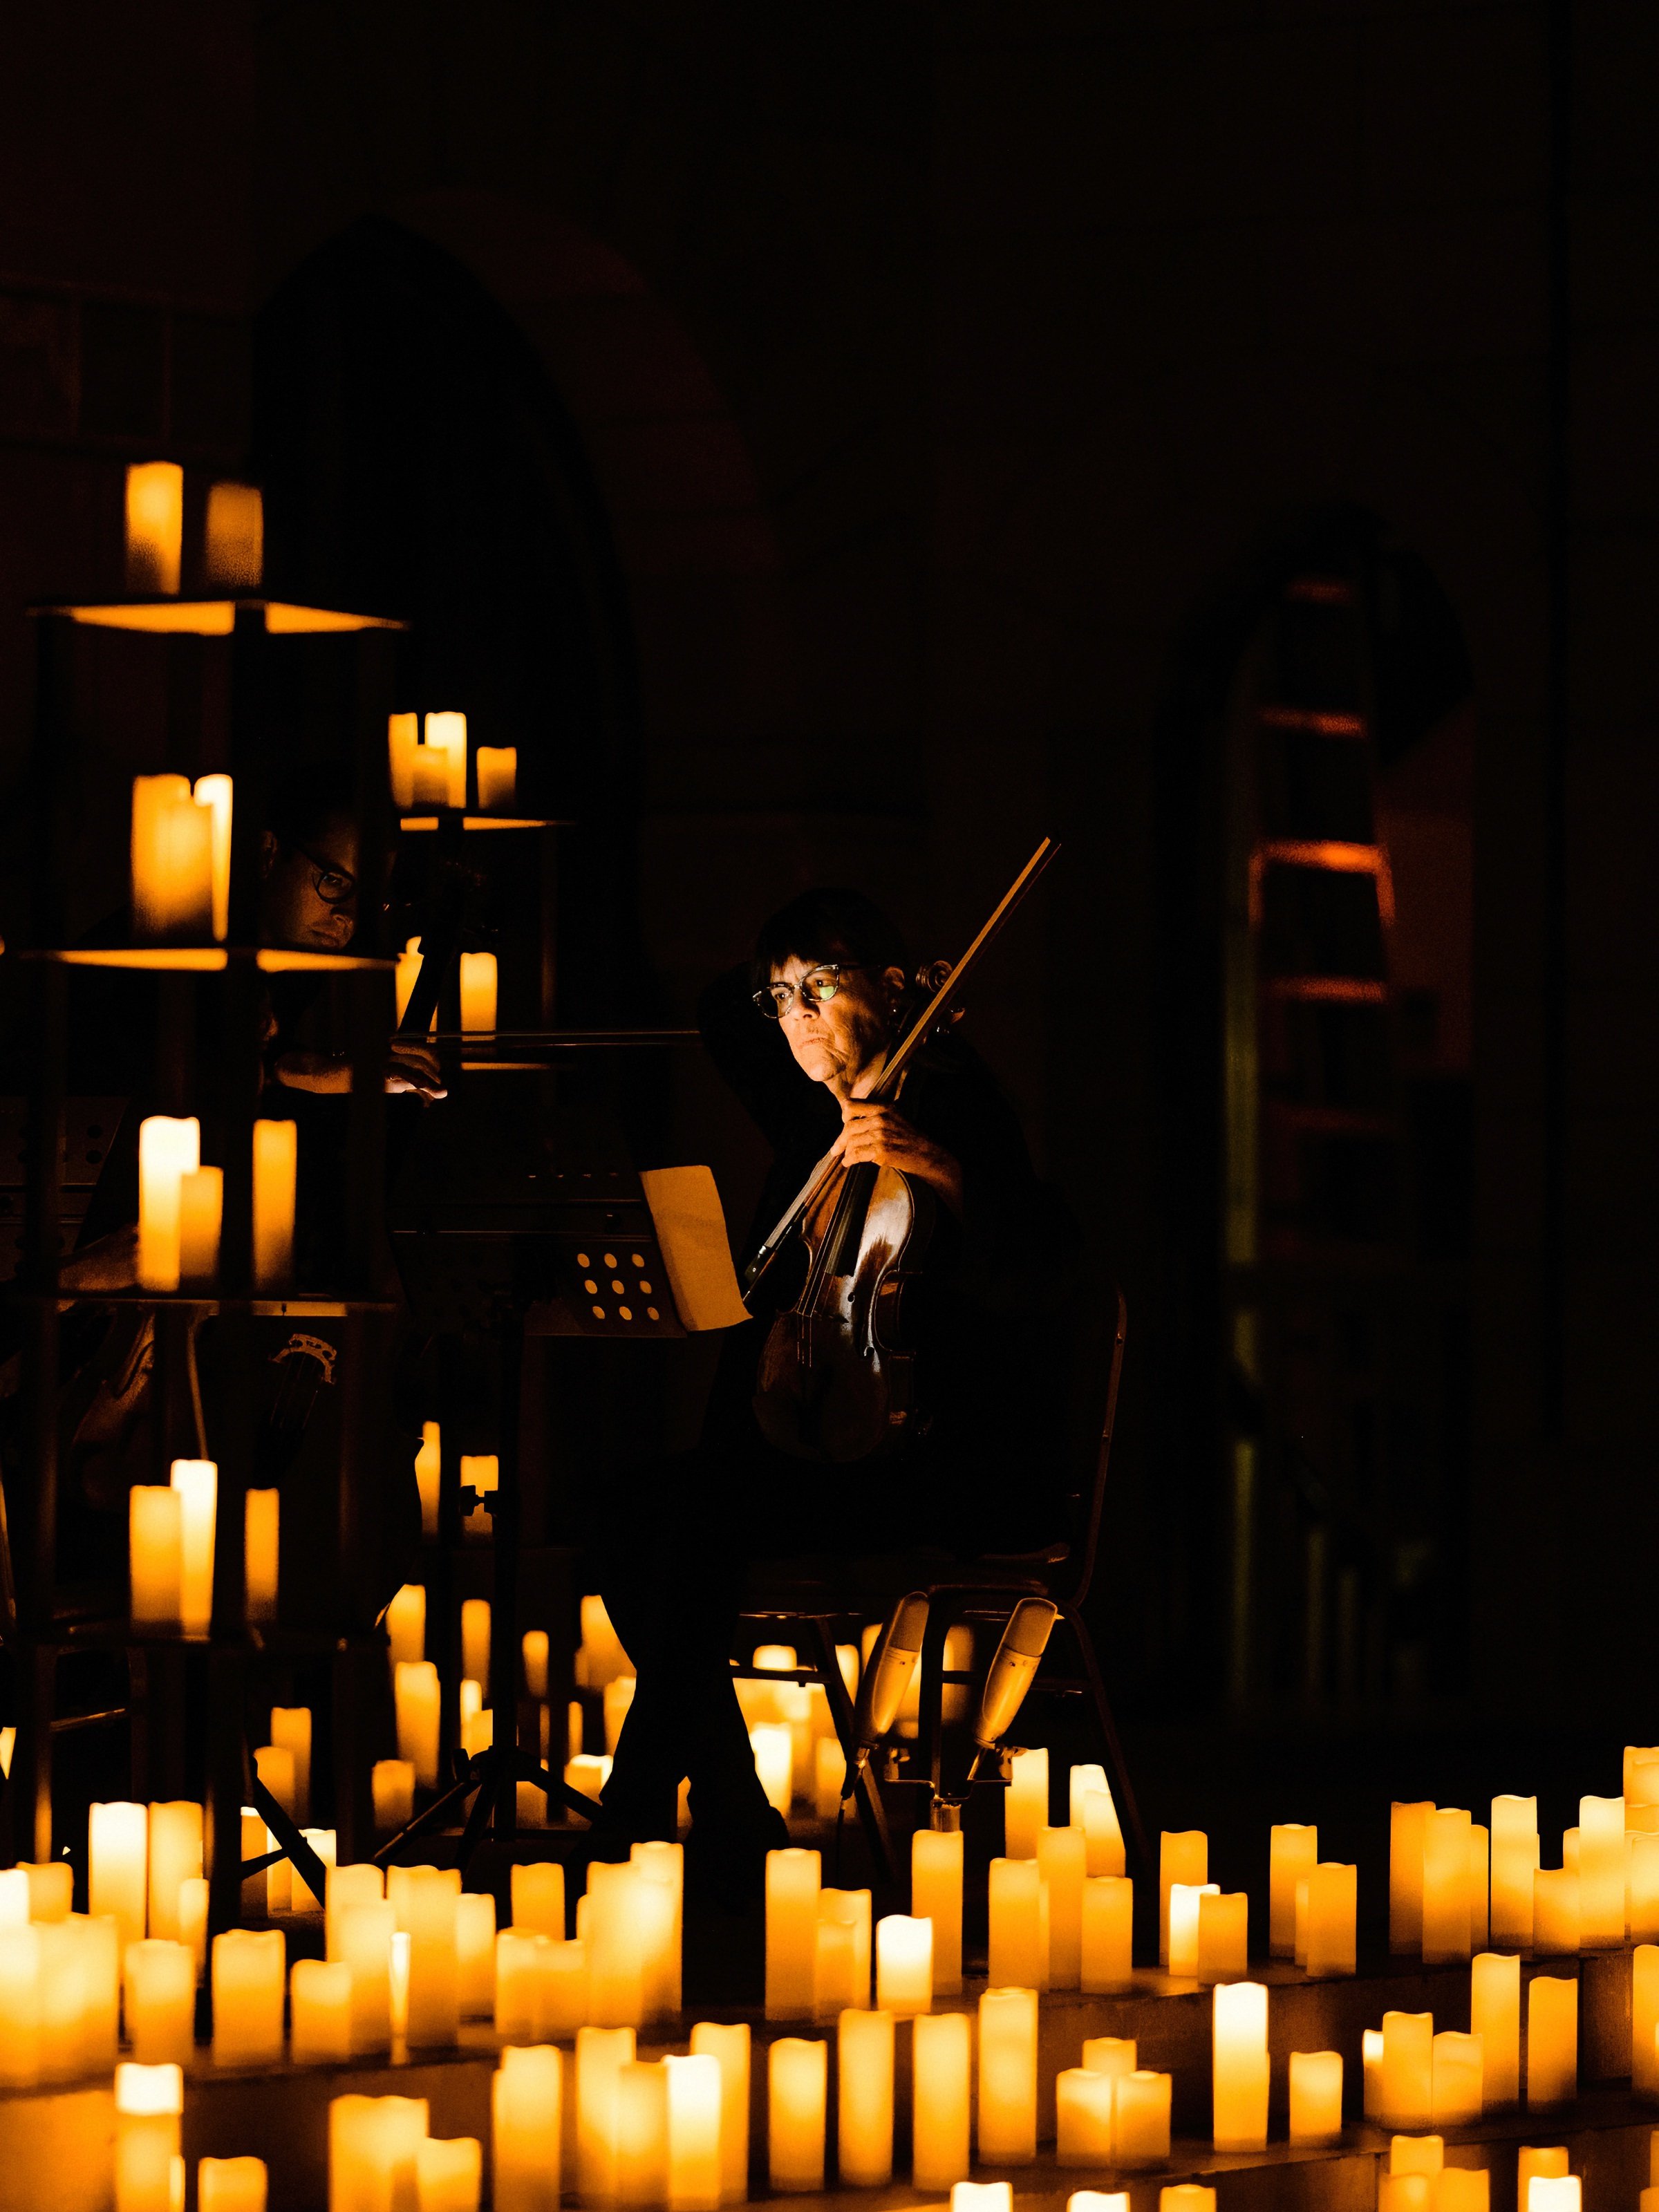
(928, 366)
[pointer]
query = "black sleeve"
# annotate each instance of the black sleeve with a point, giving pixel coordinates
(752, 1056)
(1017, 1239)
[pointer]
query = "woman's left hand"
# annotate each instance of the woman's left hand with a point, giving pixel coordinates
(880, 1135)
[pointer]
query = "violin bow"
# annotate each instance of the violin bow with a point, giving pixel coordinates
(891, 1075)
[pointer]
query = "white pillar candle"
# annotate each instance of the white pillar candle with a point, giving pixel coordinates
(448, 2174)
(864, 2080)
(1063, 1861)
(193, 1920)
(1223, 1934)
(231, 2184)
(373, 2143)
(392, 1787)
(1641, 1886)
(1083, 2116)
(904, 1965)
(1292, 1853)
(1111, 2055)
(21, 1995)
(695, 2105)
(1007, 2076)
(641, 2135)
(519, 1952)
(1239, 2065)
(936, 1865)
(475, 1953)
(1183, 1857)
(148, 2101)
(1406, 2089)
(1405, 1825)
(616, 1951)
(1547, 2162)
(52, 1889)
(1186, 2197)
(247, 1997)
(1019, 1920)
(1371, 2055)
(982, 2196)
(498, 775)
(798, 2073)
(156, 1555)
(793, 1881)
(117, 1854)
(1446, 1928)
(526, 2114)
(174, 1847)
(1332, 1920)
(1514, 1861)
(1181, 1908)
(830, 1778)
(659, 1870)
(478, 981)
(172, 850)
(537, 1894)
(348, 1885)
(474, 1641)
(1107, 1932)
(1315, 2096)
(1026, 1805)
(255, 1842)
(941, 2091)
(1601, 1873)
(1458, 2078)
(601, 2054)
(197, 1482)
(1479, 1888)
(729, 2045)
(155, 525)
(201, 1221)
(426, 1900)
(1555, 1930)
(448, 731)
(416, 1696)
(1141, 2118)
(564, 2005)
(405, 1626)
(235, 538)
(1495, 2017)
(1102, 1834)
(261, 1519)
(533, 1647)
(160, 1990)
(402, 735)
(290, 1727)
(319, 2010)
(274, 1765)
(1080, 1779)
(1551, 2042)
(1561, 2192)
(428, 1467)
(275, 1172)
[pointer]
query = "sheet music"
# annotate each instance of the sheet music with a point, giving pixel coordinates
(690, 1225)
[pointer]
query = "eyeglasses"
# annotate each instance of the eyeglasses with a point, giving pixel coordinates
(819, 985)
(334, 886)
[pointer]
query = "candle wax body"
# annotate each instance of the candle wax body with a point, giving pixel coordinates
(418, 1705)
(1224, 1935)
(262, 1522)
(175, 1857)
(792, 1883)
(1406, 1826)
(1495, 2017)
(197, 1482)
(1406, 2087)
(247, 1997)
(796, 2081)
(119, 1853)
(319, 2005)
(940, 2100)
(904, 1965)
(865, 2096)
(1315, 2096)
(729, 2045)
(1107, 1931)
(1514, 1862)
(1141, 2118)
(156, 1555)
(1007, 2076)
(1239, 2066)
(601, 2054)
(1025, 1804)
(1552, 2041)
(1184, 1857)
(1446, 1917)
(276, 1169)
(695, 2112)
(1083, 2116)
(936, 1865)
(1332, 1920)
(160, 2002)
(1062, 1861)
(1292, 1853)
(526, 2111)
(1458, 2078)
(231, 2184)
(1017, 1956)
(497, 768)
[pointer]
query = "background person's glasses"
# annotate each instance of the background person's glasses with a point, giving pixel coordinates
(818, 984)
(334, 886)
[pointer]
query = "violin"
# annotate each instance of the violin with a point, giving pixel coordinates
(837, 1376)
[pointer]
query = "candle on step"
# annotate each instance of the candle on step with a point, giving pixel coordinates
(275, 1170)
(730, 2045)
(447, 732)
(563, 2004)
(1406, 2091)
(52, 1889)
(1018, 1954)
(601, 2054)
(793, 1878)
(1642, 1885)
(526, 2114)
(168, 1149)
(160, 1990)
(261, 1525)
(1601, 1857)
(616, 1954)
(235, 537)
(1545, 2163)
(1083, 2116)
(1495, 2017)
(1514, 1862)
(172, 849)
(373, 2145)
(415, 1691)
(197, 1484)
(537, 1894)
(1371, 2054)
(694, 2112)
(1561, 2192)
(1446, 1918)
(247, 1997)
(1459, 2079)
(1405, 1825)
(474, 1641)
(231, 2184)
(155, 1549)
(1181, 1957)
(1062, 1863)
(149, 2103)
(117, 1854)
(1103, 1833)
(1141, 2118)
(363, 1938)
(319, 2009)
(201, 1219)
(936, 1864)
(863, 2085)
(405, 1626)
(348, 1885)
(1552, 2041)
(533, 1644)
(641, 2134)
(1183, 1857)
(940, 2099)
(1107, 1932)
(829, 1779)
(797, 2080)
(478, 975)
(1007, 2076)
(1222, 1950)
(1292, 1853)
(403, 736)
(519, 1956)
(428, 1467)
(904, 1965)
(498, 775)
(1555, 1930)
(290, 1728)
(193, 1920)
(1315, 2096)
(1479, 1888)
(426, 1900)
(1186, 2197)
(1025, 1803)
(174, 1847)
(391, 1786)
(1239, 2065)
(840, 1975)
(448, 2174)
(155, 525)
(661, 1867)
(475, 1953)
(1332, 1920)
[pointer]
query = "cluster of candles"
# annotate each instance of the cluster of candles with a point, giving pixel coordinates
(479, 983)
(180, 849)
(181, 1204)
(428, 762)
(170, 1539)
(233, 550)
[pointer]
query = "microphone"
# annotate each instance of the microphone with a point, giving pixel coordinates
(1010, 1674)
(892, 1663)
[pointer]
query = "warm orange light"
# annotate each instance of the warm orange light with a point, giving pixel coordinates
(1332, 854)
(156, 524)
(235, 536)
(1337, 990)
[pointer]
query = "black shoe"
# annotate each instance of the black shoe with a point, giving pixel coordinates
(725, 1860)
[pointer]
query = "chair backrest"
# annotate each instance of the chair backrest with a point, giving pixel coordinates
(1081, 1559)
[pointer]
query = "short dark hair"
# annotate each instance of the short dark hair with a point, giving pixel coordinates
(309, 803)
(829, 924)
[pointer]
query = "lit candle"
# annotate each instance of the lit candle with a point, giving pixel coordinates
(474, 1641)
(392, 1784)
(1371, 2052)
(940, 2099)
(1222, 1934)
(498, 775)
(155, 526)
(936, 1894)
(428, 1467)
(320, 2007)
(1107, 1932)
(446, 733)
(160, 1976)
(601, 1657)
(1099, 2200)
(1551, 2042)
(1083, 2116)
(275, 1170)
(156, 1539)
(172, 855)
(1182, 1909)
(1141, 2118)
(448, 2174)
(1026, 1805)
(169, 1148)
(1514, 1861)
(519, 1955)
(1495, 2017)
(426, 1899)
(416, 1694)
(1479, 1888)
(1332, 1919)
(21, 2005)
(405, 1626)
(201, 1214)
(1405, 1835)
(534, 1646)
(348, 1885)
(174, 1852)
(1007, 2076)
(830, 1778)
(231, 2184)
(798, 2075)
(1555, 1911)
(526, 2115)
(1239, 2066)
(1544, 2163)
(982, 2196)
(51, 1888)
(1446, 1930)
(1183, 1857)
(1641, 1884)
(361, 1940)
(274, 1765)
(290, 1729)
(1601, 1872)
(247, 1997)
(695, 2109)
(479, 976)
(1292, 1853)
(904, 1965)
(615, 1949)
(601, 2054)
(235, 536)
(148, 2101)
(117, 1854)
(641, 2134)
(773, 1747)
(793, 1878)
(1019, 1920)
(1457, 2085)
(1405, 2090)
(729, 2047)
(661, 1868)
(864, 2076)
(261, 1524)
(1315, 2096)
(616, 1698)
(372, 2145)
(1563, 2193)
(1062, 1861)
(402, 737)
(537, 1895)
(475, 1953)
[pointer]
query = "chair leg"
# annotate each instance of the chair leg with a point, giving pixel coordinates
(1117, 1772)
(871, 1812)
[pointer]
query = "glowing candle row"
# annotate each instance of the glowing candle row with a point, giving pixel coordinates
(180, 1204)
(233, 552)
(181, 857)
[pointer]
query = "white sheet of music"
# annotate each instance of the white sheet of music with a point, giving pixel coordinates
(690, 1225)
